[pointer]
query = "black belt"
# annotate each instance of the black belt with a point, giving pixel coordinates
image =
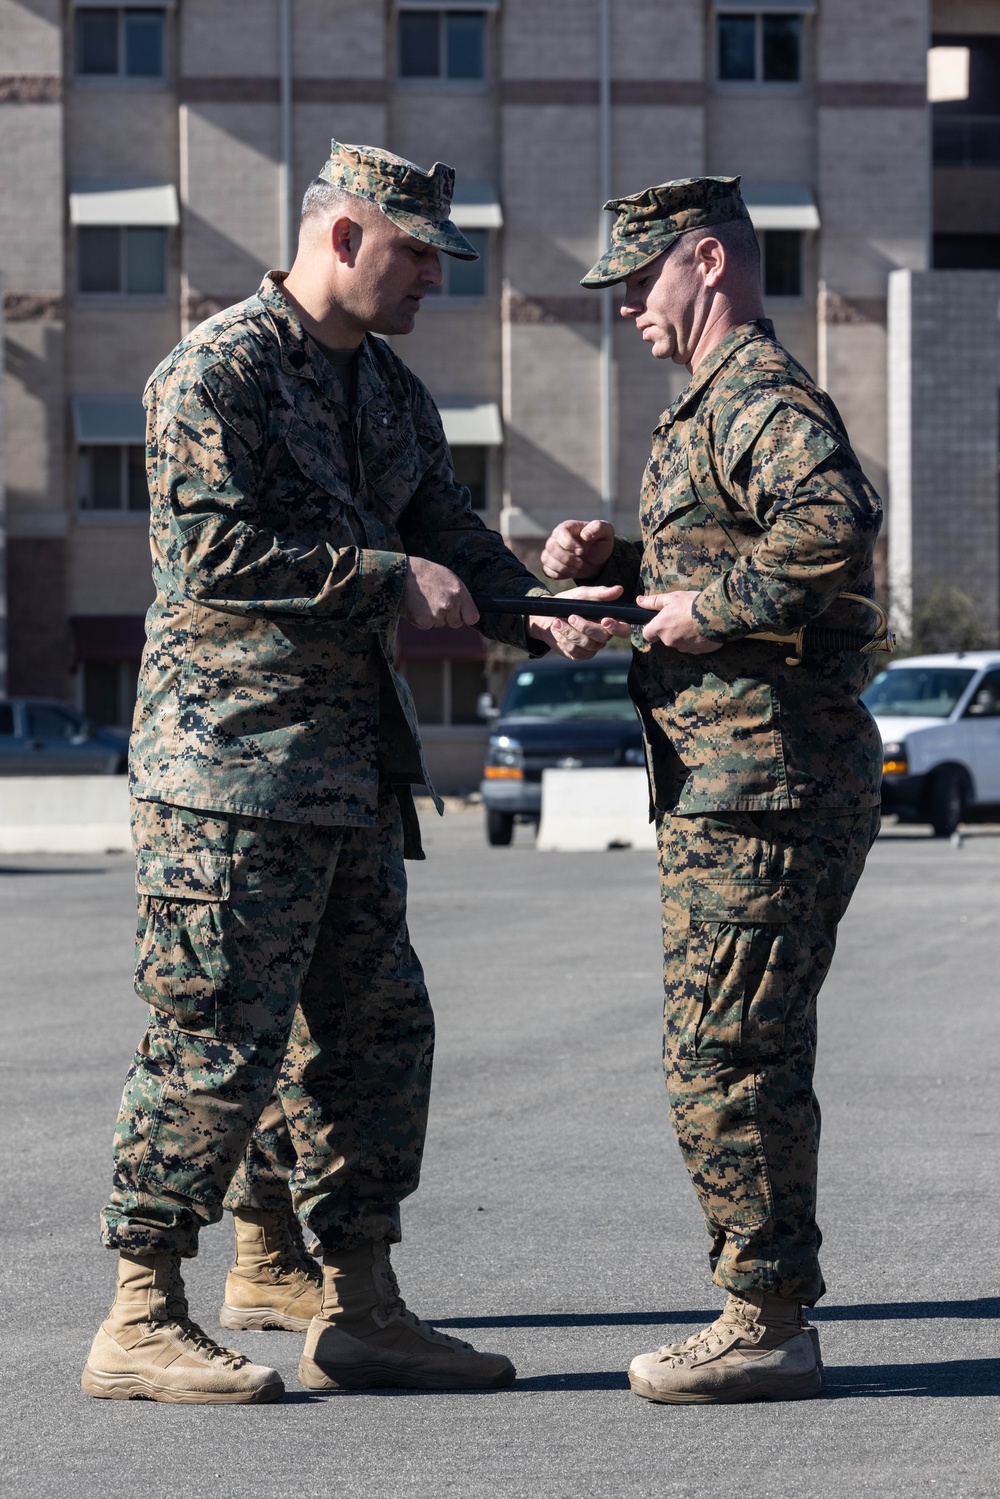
(821, 637)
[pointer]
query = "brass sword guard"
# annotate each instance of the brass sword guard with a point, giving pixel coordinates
(883, 640)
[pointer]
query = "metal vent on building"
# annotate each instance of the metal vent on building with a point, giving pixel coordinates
(108, 419)
(107, 201)
(476, 206)
(781, 205)
(471, 423)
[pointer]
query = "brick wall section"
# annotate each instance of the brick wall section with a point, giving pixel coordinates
(946, 417)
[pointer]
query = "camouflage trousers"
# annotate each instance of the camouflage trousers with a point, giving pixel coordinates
(751, 904)
(290, 1035)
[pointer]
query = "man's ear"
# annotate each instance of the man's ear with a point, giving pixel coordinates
(711, 256)
(345, 239)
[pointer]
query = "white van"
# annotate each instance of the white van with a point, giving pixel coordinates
(939, 717)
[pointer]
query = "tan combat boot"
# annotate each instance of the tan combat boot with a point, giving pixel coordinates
(274, 1281)
(759, 1349)
(149, 1349)
(365, 1337)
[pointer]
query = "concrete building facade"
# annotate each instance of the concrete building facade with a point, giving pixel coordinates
(155, 154)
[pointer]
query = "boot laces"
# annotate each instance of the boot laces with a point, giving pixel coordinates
(291, 1249)
(396, 1308)
(176, 1316)
(710, 1338)
(191, 1333)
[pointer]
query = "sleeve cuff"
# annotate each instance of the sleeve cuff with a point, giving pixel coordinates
(381, 576)
(715, 617)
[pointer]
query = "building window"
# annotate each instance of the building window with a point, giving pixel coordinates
(759, 48)
(121, 262)
(782, 256)
(470, 470)
(464, 278)
(112, 476)
(119, 43)
(442, 44)
(964, 89)
(109, 692)
(967, 252)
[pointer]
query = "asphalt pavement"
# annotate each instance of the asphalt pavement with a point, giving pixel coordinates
(554, 1221)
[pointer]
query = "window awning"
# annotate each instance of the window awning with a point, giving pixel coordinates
(108, 637)
(471, 424)
(101, 200)
(463, 644)
(447, 4)
(108, 419)
(132, 4)
(781, 205)
(476, 206)
(802, 6)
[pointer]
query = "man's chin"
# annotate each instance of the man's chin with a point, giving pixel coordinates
(399, 323)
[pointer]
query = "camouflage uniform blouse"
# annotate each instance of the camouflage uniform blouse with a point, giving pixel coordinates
(277, 587)
(753, 496)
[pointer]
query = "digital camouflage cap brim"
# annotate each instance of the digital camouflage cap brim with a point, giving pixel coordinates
(649, 222)
(416, 201)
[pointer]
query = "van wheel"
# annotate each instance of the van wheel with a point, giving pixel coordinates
(499, 828)
(947, 801)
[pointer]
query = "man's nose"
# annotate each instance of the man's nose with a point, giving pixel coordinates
(630, 309)
(432, 274)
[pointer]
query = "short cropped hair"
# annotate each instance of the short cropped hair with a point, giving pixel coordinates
(322, 202)
(740, 241)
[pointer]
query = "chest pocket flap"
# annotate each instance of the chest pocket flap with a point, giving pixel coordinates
(320, 463)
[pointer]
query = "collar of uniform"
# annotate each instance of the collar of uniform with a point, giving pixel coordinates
(710, 366)
(298, 357)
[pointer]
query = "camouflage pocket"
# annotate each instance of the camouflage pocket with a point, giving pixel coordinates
(186, 953)
(742, 940)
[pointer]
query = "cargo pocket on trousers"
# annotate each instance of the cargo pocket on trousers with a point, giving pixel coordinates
(186, 956)
(742, 937)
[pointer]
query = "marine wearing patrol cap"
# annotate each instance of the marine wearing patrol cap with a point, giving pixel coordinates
(649, 222)
(416, 201)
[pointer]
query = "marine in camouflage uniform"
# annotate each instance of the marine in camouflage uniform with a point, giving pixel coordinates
(764, 779)
(273, 755)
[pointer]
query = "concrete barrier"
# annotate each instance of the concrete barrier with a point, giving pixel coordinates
(63, 814)
(595, 809)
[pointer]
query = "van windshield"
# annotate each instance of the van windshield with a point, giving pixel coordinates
(917, 691)
(570, 692)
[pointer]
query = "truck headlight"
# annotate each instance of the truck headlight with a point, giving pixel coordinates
(504, 760)
(894, 759)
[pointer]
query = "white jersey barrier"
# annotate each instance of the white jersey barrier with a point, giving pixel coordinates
(63, 814)
(595, 809)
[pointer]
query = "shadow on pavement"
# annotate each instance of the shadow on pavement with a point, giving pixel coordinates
(983, 1308)
(960, 1376)
(17, 869)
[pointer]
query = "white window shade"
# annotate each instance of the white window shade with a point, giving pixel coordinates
(947, 74)
(476, 206)
(447, 4)
(132, 5)
(99, 420)
(781, 205)
(803, 7)
(103, 201)
(471, 424)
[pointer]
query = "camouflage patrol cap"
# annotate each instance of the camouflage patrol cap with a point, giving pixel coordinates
(416, 201)
(649, 222)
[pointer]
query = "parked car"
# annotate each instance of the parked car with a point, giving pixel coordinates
(41, 738)
(939, 717)
(555, 713)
